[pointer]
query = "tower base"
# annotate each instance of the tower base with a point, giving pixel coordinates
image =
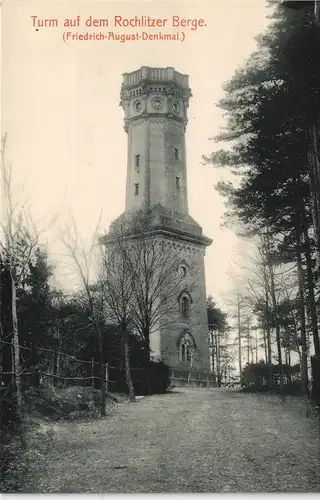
(192, 378)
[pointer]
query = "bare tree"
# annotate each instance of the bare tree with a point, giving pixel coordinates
(237, 300)
(19, 241)
(85, 259)
(117, 289)
(156, 271)
(227, 357)
(239, 331)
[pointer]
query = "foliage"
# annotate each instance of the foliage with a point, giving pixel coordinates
(217, 319)
(62, 404)
(271, 104)
(315, 367)
(255, 377)
(221, 356)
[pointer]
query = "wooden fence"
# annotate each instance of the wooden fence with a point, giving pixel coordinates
(181, 378)
(191, 378)
(54, 376)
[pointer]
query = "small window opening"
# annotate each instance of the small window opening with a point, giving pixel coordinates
(183, 270)
(176, 153)
(183, 352)
(136, 188)
(185, 307)
(178, 182)
(137, 160)
(188, 356)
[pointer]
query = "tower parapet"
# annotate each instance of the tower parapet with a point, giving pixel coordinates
(155, 92)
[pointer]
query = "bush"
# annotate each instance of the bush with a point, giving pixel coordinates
(9, 420)
(315, 389)
(159, 376)
(149, 377)
(255, 378)
(63, 404)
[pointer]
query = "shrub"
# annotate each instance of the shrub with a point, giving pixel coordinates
(159, 376)
(149, 377)
(63, 404)
(255, 378)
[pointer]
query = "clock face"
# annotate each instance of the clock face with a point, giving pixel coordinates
(175, 107)
(157, 103)
(137, 106)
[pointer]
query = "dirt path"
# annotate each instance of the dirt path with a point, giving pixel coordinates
(205, 440)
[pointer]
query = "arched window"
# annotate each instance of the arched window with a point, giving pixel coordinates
(185, 303)
(185, 351)
(185, 307)
(186, 348)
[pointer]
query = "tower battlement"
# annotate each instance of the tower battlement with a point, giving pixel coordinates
(163, 75)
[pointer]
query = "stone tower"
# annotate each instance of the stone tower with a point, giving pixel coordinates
(155, 103)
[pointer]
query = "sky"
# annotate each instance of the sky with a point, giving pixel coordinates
(61, 113)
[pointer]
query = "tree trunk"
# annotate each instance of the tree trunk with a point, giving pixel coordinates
(127, 367)
(218, 358)
(213, 354)
(268, 332)
(16, 350)
(92, 373)
(304, 348)
(147, 345)
(239, 338)
(102, 375)
(311, 302)
(265, 345)
(314, 181)
(299, 220)
(275, 313)
(248, 342)
(279, 356)
(289, 365)
(289, 357)
(53, 370)
(58, 369)
(190, 371)
(58, 362)
(296, 338)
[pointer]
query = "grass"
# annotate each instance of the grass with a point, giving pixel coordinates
(200, 440)
(18, 458)
(43, 406)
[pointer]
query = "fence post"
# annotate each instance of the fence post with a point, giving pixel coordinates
(107, 377)
(92, 373)
(53, 384)
(149, 383)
